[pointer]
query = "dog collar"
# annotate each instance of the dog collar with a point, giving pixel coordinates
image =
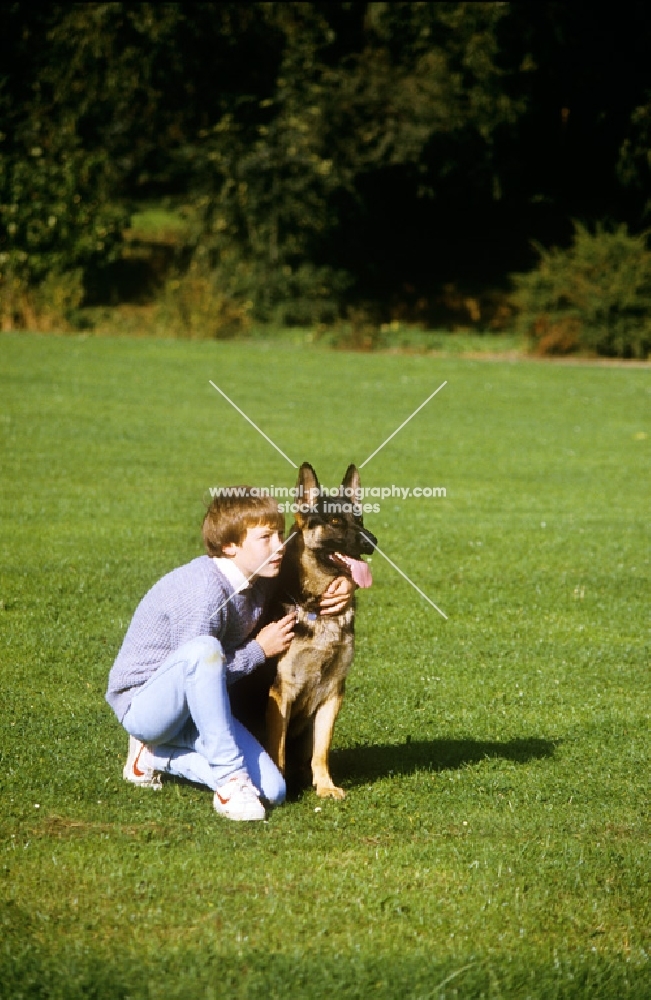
(311, 617)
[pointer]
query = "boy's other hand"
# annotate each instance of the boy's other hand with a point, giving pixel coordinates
(276, 637)
(338, 596)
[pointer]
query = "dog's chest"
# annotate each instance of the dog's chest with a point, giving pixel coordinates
(317, 662)
(323, 632)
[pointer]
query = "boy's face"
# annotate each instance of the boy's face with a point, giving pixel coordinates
(260, 544)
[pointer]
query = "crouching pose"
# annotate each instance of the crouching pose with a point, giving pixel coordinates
(190, 637)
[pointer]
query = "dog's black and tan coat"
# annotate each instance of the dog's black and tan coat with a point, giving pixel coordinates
(308, 684)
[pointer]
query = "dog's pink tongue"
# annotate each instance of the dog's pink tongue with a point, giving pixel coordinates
(359, 570)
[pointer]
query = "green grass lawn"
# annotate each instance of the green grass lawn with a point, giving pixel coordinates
(495, 838)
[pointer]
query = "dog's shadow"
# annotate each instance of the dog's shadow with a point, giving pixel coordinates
(363, 764)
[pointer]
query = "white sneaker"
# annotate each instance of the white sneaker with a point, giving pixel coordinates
(138, 769)
(238, 799)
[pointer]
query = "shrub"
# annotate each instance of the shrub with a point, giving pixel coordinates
(360, 331)
(57, 299)
(50, 305)
(595, 295)
(196, 305)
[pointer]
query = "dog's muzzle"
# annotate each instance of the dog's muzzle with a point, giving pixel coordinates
(369, 541)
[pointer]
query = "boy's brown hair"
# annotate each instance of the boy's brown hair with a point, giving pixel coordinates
(228, 518)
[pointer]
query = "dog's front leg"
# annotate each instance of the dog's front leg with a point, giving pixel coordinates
(324, 724)
(278, 709)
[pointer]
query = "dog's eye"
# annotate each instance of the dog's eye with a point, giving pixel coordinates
(336, 521)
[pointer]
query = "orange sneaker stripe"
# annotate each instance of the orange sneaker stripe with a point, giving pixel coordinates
(136, 770)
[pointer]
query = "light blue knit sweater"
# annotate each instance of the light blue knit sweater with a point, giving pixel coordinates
(184, 604)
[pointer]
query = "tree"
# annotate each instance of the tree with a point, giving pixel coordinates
(326, 151)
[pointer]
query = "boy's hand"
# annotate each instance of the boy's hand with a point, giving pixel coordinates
(338, 596)
(276, 637)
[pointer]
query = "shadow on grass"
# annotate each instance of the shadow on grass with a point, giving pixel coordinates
(358, 765)
(363, 764)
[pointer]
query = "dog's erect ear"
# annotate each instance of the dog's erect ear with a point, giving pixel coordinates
(308, 484)
(351, 481)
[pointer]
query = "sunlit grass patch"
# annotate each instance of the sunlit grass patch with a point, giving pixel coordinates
(495, 835)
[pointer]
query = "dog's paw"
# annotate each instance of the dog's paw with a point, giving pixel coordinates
(330, 792)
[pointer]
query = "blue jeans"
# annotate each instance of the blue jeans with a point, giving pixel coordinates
(184, 715)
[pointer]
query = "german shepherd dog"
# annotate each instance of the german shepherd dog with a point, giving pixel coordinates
(306, 684)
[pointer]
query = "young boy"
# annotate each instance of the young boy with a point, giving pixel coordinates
(190, 637)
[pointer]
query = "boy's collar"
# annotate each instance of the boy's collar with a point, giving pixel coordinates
(233, 573)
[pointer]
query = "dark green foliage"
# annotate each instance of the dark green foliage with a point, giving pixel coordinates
(267, 118)
(594, 295)
(275, 169)
(94, 102)
(331, 154)
(634, 164)
(57, 189)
